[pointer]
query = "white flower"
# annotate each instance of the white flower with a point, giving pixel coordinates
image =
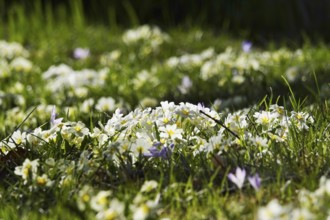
(236, 121)
(171, 132)
(114, 211)
(264, 118)
(141, 212)
(110, 58)
(149, 186)
(43, 180)
(106, 104)
(100, 201)
(28, 169)
(12, 50)
(19, 137)
(21, 64)
(141, 146)
(260, 141)
(272, 211)
(238, 79)
(84, 197)
(301, 214)
(214, 143)
(87, 105)
(148, 102)
(301, 119)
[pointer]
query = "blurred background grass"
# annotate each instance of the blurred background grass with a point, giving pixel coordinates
(258, 20)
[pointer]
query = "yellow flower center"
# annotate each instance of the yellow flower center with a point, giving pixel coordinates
(170, 132)
(41, 181)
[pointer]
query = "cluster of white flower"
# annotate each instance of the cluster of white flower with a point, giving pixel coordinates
(143, 78)
(153, 35)
(12, 50)
(268, 126)
(110, 58)
(310, 205)
(64, 77)
(157, 132)
(188, 61)
(29, 173)
(145, 40)
(108, 207)
(13, 58)
(239, 65)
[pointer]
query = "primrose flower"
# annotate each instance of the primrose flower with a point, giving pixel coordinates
(141, 212)
(44, 181)
(171, 131)
(21, 64)
(260, 141)
(106, 104)
(264, 118)
(272, 211)
(18, 138)
(84, 197)
(100, 201)
(302, 213)
(140, 146)
(238, 178)
(28, 169)
(115, 211)
(255, 181)
(148, 186)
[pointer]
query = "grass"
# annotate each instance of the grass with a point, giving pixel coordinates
(121, 151)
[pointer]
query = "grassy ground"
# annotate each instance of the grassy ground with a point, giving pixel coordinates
(111, 123)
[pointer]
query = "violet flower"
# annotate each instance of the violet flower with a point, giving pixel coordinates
(165, 152)
(255, 181)
(53, 120)
(238, 178)
(81, 53)
(246, 46)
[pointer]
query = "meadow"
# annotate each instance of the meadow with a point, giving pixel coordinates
(152, 123)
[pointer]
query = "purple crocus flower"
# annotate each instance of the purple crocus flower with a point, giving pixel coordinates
(246, 46)
(53, 120)
(255, 181)
(238, 178)
(81, 53)
(164, 153)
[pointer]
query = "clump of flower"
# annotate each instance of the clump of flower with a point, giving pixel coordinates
(12, 50)
(143, 207)
(63, 77)
(21, 64)
(29, 173)
(147, 38)
(310, 205)
(145, 33)
(110, 58)
(272, 211)
(105, 104)
(239, 177)
(190, 61)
